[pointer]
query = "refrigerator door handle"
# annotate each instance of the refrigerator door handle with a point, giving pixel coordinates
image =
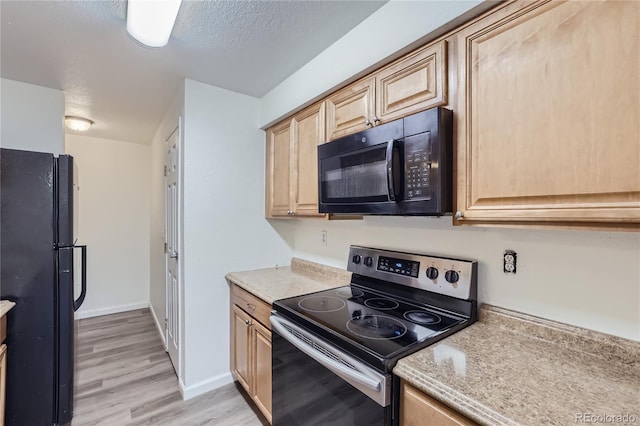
(78, 302)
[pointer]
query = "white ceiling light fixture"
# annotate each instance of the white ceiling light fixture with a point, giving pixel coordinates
(151, 21)
(77, 123)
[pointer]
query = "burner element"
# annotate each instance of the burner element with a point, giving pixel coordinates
(376, 327)
(381, 304)
(349, 292)
(321, 304)
(422, 317)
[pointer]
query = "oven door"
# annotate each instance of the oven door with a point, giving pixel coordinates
(314, 383)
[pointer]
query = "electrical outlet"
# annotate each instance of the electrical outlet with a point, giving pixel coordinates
(509, 260)
(324, 237)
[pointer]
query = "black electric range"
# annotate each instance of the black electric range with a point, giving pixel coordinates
(341, 344)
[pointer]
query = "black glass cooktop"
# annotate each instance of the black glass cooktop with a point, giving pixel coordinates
(376, 321)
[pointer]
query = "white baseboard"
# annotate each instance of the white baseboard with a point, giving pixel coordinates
(159, 325)
(111, 310)
(204, 386)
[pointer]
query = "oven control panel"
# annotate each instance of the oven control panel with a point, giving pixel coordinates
(453, 277)
(398, 266)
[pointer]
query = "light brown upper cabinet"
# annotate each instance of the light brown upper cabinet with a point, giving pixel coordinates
(278, 191)
(292, 164)
(351, 109)
(547, 119)
(411, 84)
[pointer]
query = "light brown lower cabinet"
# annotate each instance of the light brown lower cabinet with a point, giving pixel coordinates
(418, 409)
(251, 347)
(3, 380)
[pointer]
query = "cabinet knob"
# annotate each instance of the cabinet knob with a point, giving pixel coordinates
(251, 306)
(459, 215)
(367, 122)
(248, 322)
(376, 119)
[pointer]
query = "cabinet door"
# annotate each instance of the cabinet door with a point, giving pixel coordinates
(547, 129)
(241, 347)
(413, 84)
(262, 370)
(308, 132)
(349, 110)
(3, 380)
(278, 170)
(417, 409)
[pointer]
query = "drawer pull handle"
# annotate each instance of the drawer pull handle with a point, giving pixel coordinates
(251, 306)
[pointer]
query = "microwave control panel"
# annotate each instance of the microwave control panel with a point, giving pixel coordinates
(417, 167)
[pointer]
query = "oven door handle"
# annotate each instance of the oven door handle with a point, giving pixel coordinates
(357, 375)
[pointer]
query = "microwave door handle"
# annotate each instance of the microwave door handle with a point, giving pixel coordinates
(390, 185)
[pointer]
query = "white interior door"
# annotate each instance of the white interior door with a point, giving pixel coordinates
(172, 253)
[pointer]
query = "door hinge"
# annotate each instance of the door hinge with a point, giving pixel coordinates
(165, 247)
(166, 323)
(165, 170)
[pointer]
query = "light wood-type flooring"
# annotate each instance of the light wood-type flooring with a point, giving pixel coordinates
(124, 377)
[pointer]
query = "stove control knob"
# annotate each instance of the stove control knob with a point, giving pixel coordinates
(356, 258)
(432, 273)
(451, 276)
(368, 261)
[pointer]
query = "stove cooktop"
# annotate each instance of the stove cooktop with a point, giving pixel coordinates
(375, 321)
(397, 303)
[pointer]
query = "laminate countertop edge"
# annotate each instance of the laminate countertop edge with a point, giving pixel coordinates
(5, 307)
(511, 368)
(281, 282)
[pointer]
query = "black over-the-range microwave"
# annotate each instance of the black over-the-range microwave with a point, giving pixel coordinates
(403, 167)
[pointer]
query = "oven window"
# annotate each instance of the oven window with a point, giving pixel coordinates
(306, 393)
(359, 177)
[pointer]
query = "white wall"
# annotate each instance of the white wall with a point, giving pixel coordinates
(223, 222)
(586, 278)
(394, 26)
(32, 117)
(114, 181)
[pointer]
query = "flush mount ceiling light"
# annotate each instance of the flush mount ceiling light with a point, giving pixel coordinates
(151, 21)
(77, 123)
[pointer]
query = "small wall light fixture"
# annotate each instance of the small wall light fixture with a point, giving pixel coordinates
(151, 21)
(77, 123)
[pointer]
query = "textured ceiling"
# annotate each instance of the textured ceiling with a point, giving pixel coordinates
(82, 48)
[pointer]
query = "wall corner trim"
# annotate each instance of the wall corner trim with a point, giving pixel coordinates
(111, 310)
(159, 326)
(204, 386)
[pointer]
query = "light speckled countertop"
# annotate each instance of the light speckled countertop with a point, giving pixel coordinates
(5, 306)
(510, 368)
(301, 277)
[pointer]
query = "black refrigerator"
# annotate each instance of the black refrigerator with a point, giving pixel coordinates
(37, 245)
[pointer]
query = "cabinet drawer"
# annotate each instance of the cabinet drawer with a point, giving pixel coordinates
(418, 409)
(251, 304)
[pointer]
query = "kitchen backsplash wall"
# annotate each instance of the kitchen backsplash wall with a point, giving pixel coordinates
(585, 278)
